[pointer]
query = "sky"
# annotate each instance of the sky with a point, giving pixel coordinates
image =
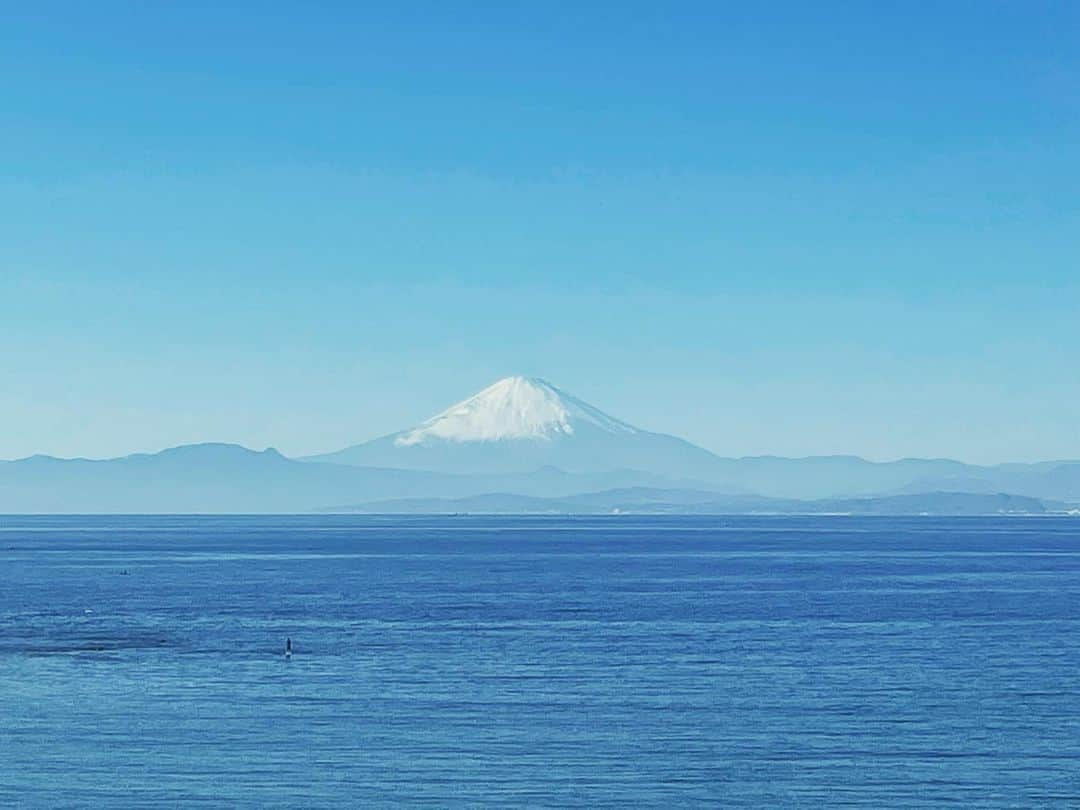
(784, 228)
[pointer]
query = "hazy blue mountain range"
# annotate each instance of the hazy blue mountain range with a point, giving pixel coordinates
(194, 478)
(230, 478)
(521, 438)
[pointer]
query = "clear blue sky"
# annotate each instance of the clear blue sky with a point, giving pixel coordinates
(789, 228)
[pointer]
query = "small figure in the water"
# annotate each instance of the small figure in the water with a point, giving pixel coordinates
(288, 648)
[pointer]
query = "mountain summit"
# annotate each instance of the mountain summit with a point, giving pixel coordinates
(513, 408)
(519, 424)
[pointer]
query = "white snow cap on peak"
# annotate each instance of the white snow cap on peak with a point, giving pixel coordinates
(513, 408)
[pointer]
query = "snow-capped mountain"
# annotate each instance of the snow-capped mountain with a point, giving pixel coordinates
(521, 423)
(513, 408)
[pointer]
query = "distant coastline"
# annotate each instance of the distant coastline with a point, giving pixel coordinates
(675, 502)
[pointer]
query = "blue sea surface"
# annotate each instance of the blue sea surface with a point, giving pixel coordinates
(602, 661)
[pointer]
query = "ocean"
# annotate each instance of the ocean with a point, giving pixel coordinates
(535, 661)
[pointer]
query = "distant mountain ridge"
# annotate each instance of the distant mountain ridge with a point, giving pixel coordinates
(194, 478)
(216, 477)
(524, 438)
(229, 478)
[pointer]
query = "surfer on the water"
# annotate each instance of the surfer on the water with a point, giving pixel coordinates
(288, 648)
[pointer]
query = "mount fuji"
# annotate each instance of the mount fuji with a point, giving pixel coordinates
(520, 424)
